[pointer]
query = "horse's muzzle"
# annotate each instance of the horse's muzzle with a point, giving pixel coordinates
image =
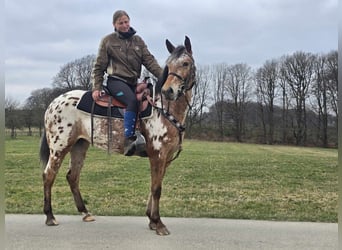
(171, 94)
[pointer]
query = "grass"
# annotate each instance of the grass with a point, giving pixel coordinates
(209, 179)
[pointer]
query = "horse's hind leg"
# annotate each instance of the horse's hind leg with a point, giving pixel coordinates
(49, 176)
(77, 156)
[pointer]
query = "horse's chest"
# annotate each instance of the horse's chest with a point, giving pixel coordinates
(159, 132)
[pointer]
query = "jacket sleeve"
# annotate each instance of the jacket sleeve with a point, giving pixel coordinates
(100, 66)
(149, 61)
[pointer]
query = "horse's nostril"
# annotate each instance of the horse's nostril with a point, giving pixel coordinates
(170, 91)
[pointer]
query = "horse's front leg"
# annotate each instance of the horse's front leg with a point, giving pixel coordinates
(157, 173)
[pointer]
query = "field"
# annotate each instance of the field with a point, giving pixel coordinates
(209, 179)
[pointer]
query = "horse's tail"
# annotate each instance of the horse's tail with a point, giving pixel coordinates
(44, 152)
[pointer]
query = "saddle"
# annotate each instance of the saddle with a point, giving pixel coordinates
(143, 92)
(108, 106)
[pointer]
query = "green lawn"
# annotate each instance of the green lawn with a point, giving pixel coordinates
(209, 179)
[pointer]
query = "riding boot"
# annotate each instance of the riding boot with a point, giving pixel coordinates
(130, 138)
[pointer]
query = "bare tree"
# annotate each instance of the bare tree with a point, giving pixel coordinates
(238, 87)
(267, 80)
(75, 74)
(13, 120)
(200, 99)
(285, 103)
(38, 102)
(298, 73)
(66, 77)
(332, 84)
(219, 80)
(83, 69)
(320, 106)
(261, 100)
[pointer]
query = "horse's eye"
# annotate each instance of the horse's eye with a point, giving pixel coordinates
(185, 64)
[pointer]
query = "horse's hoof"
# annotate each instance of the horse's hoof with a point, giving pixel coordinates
(162, 231)
(51, 222)
(160, 228)
(88, 218)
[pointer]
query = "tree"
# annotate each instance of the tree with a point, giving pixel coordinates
(200, 99)
(266, 81)
(332, 84)
(75, 74)
(285, 103)
(298, 73)
(319, 91)
(238, 87)
(219, 79)
(38, 102)
(13, 119)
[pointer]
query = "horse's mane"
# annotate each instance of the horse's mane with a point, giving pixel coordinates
(176, 53)
(162, 80)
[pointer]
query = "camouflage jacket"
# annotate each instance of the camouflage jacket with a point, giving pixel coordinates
(124, 58)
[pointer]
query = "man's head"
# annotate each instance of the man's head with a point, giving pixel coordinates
(121, 21)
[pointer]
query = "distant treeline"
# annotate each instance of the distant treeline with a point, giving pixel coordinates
(288, 100)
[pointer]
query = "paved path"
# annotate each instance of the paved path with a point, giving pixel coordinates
(29, 232)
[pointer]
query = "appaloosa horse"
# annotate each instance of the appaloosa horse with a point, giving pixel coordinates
(69, 129)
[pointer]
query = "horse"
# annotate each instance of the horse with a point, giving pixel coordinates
(70, 130)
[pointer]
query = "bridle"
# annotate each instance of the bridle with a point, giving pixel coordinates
(187, 84)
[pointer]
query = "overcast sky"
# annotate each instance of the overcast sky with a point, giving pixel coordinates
(41, 36)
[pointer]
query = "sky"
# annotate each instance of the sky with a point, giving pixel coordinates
(41, 36)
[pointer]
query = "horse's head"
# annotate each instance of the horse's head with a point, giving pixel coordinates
(179, 71)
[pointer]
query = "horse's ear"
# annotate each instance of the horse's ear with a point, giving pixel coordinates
(187, 44)
(169, 46)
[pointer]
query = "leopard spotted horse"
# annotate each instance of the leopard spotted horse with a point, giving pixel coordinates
(70, 130)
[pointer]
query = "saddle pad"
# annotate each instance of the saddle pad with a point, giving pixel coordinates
(86, 103)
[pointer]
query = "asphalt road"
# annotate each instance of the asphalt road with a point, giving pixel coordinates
(29, 232)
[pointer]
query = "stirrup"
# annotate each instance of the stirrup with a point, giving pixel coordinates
(129, 146)
(135, 145)
(140, 143)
